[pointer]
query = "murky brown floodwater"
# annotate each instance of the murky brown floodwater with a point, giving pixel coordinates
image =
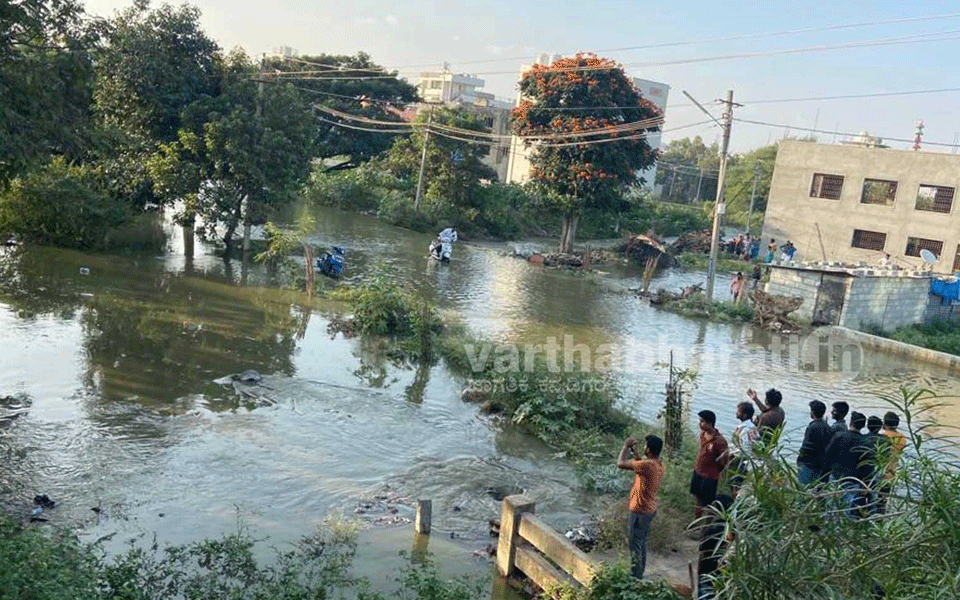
(116, 373)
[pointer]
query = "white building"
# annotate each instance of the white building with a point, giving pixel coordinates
(518, 170)
(282, 52)
(466, 91)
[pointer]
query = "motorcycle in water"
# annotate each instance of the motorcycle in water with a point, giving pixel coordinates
(331, 263)
(441, 250)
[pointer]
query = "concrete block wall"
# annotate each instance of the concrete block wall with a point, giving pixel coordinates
(890, 302)
(788, 282)
(939, 309)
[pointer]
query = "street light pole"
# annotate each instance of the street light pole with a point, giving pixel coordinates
(753, 195)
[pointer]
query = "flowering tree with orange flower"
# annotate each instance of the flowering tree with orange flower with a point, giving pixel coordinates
(587, 126)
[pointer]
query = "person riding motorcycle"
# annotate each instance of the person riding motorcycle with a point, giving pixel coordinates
(447, 236)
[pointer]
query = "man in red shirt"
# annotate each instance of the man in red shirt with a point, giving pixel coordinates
(711, 460)
(643, 496)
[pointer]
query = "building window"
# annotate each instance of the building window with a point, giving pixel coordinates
(869, 240)
(878, 191)
(826, 186)
(935, 198)
(436, 85)
(956, 260)
(915, 245)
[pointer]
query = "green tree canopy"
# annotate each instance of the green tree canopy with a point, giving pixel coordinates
(687, 171)
(236, 147)
(155, 63)
(45, 82)
(352, 84)
(454, 168)
(757, 163)
(575, 170)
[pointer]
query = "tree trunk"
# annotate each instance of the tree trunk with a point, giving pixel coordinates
(188, 239)
(308, 260)
(232, 225)
(569, 234)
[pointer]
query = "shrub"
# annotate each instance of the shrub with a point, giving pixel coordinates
(383, 308)
(360, 189)
(60, 205)
(614, 582)
(43, 566)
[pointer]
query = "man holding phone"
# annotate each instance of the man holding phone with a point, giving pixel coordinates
(648, 475)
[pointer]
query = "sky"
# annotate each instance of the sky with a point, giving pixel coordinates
(417, 35)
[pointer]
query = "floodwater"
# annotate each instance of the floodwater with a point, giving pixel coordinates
(113, 360)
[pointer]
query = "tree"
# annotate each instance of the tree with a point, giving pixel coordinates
(758, 162)
(155, 63)
(577, 172)
(381, 98)
(687, 171)
(454, 168)
(46, 75)
(238, 149)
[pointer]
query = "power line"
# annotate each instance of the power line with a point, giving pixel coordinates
(334, 67)
(433, 130)
(933, 36)
(824, 131)
(723, 38)
(606, 130)
(851, 96)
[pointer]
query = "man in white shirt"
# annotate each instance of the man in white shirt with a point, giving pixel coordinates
(744, 437)
(448, 235)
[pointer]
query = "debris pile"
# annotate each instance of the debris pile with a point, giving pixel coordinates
(772, 310)
(643, 248)
(662, 296)
(692, 241)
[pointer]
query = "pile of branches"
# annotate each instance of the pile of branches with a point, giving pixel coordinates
(772, 310)
(662, 296)
(692, 241)
(643, 248)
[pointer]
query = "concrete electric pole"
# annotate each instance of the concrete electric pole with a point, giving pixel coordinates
(719, 207)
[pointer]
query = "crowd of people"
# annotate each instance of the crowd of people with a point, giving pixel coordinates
(863, 465)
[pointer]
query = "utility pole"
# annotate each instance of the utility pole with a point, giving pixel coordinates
(753, 195)
(246, 200)
(423, 161)
(699, 181)
(719, 207)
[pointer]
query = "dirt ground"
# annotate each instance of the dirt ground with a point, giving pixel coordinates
(663, 565)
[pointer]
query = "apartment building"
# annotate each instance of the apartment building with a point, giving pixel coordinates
(466, 91)
(859, 203)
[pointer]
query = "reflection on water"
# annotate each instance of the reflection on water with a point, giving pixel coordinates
(117, 369)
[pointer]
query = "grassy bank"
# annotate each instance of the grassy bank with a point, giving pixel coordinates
(698, 261)
(940, 335)
(697, 307)
(45, 564)
(575, 412)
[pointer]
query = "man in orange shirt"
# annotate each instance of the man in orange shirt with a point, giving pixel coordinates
(643, 496)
